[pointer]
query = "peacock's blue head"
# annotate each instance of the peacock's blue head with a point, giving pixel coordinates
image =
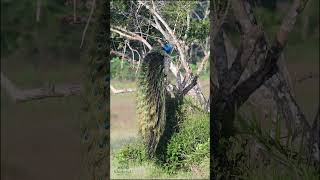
(167, 48)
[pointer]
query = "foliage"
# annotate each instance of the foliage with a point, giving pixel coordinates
(133, 153)
(180, 17)
(122, 69)
(190, 145)
(19, 29)
(199, 29)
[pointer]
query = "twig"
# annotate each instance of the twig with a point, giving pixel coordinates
(316, 119)
(306, 77)
(88, 22)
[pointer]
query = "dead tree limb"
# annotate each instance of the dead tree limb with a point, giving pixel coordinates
(18, 95)
(121, 91)
(88, 22)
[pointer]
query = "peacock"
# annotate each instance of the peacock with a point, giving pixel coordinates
(152, 97)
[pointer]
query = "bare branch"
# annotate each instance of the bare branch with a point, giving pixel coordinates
(306, 77)
(190, 86)
(130, 35)
(93, 4)
(121, 91)
(173, 38)
(245, 89)
(39, 93)
(246, 51)
(134, 36)
(203, 63)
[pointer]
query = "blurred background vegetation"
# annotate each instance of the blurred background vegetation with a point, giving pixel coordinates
(41, 139)
(278, 157)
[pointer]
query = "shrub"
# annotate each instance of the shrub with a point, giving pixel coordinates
(133, 153)
(191, 144)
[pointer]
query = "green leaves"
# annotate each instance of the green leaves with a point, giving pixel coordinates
(133, 153)
(122, 69)
(191, 145)
(199, 30)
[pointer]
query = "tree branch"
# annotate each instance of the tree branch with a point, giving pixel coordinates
(88, 22)
(190, 86)
(134, 36)
(125, 56)
(121, 91)
(130, 35)
(18, 95)
(245, 89)
(173, 38)
(203, 63)
(306, 77)
(248, 45)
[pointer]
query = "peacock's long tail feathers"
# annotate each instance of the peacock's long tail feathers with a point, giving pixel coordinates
(95, 126)
(151, 98)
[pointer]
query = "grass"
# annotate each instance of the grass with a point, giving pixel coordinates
(148, 170)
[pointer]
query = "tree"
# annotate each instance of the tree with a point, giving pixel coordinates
(255, 64)
(137, 26)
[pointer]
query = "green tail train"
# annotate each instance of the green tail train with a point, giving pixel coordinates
(151, 99)
(95, 127)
